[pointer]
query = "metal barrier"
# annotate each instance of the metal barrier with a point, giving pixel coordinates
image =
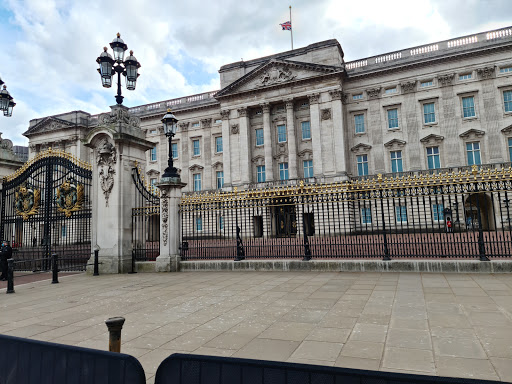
(31, 361)
(194, 369)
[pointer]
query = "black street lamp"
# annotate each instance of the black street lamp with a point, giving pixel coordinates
(6, 101)
(109, 66)
(170, 123)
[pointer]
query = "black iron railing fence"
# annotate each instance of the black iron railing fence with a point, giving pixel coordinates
(455, 215)
(145, 219)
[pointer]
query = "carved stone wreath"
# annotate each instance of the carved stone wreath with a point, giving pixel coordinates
(234, 129)
(326, 114)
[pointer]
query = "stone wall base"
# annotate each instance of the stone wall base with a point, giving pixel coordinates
(428, 266)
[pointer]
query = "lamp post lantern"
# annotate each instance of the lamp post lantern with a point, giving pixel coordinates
(6, 101)
(170, 124)
(111, 65)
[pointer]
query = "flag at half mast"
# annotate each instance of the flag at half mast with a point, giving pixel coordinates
(287, 26)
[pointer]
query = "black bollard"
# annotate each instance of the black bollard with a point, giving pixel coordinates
(55, 270)
(114, 325)
(96, 271)
(10, 276)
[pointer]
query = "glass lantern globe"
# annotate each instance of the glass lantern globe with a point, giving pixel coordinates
(170, 123)
(119, 47)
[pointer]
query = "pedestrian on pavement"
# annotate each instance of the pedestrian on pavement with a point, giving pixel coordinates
(5, 254)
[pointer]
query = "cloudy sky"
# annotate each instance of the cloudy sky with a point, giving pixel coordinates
(49, 47)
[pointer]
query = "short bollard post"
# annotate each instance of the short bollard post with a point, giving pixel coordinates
(114, 325)
(96, 271)
(55, 270)
(10, 276)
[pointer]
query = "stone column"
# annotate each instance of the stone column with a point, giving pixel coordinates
(316, 137)
(292, 140)
(117, 144)
(170, 196)
(245, 150)
(339, 132)
(267, 145)
(226, 152)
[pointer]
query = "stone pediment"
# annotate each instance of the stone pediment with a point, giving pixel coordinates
(48, 124)
(472, 134)
(395, 143)
(361, 148)
(275, 73)
(431, 139)
(507, 130)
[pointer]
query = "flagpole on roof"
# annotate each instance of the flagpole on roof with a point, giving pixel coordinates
(291, 29)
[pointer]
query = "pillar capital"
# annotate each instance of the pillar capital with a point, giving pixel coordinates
(265, 107)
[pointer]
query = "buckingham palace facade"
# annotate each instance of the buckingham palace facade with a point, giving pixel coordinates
(308, 114)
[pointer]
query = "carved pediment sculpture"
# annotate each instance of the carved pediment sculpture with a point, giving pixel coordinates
(486, 72)
(472, 134)
(313, 98)
(119, 115)
(446, 79)
(183, 126)
(361, 147)
(306, 154)
(206, 123)
(217, 165)
(276, 74)
(224, 114)
(373, 93)
(196, 167)
(325, 114)
(258, 160)
(408, 86)
(507, 130)
(395, 143)
(432, 139)
(106, 159)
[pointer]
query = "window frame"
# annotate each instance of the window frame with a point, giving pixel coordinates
(397, 160)
(258, 173)
(399, 215)
(217, 144)
(428, 83)
(366, 215)
(425, 114)
(262, 137)
(194, 154)
(505, 69)
(507, 102)
(465, 97)
(388, 120)
(221, 178)
(309, 168)
(198, 223)
(196, 180)
(473, 151)
(466, 76)
(509, 140)
(433, 156)
(358, 96)
(356, 124)
(284, 171)
(438, 211)
(172, 151)
(364, 164)
(153, 155)
(279, 134)
(308, 130)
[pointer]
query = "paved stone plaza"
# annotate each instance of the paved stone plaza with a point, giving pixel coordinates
(437, 324)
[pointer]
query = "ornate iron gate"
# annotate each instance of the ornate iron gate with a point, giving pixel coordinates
(46, 208)
(145, 219)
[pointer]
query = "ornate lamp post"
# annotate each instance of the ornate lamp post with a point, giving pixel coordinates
(170, 126)
(6, 101)
(110, 66)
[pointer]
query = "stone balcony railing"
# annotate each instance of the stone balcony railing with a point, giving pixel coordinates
(426, 52)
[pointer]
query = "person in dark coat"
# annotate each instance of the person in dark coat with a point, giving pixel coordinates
(5, 254)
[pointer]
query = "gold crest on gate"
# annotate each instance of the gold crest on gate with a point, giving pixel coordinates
(70, 197)
(26, 201)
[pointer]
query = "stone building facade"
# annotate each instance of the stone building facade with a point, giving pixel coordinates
(308, 114)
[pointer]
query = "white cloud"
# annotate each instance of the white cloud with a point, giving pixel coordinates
(49, 65)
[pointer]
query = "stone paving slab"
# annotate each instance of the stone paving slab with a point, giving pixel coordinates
(440, 324)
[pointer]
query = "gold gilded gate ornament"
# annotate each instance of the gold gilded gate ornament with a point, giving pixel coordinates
(70, 197)
(26, 201)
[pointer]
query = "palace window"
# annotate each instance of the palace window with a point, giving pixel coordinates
(199, 223)
(507, 99)
(306, 130)
(220, 179)
(468, 106)
(197, 182)
(362, 165)
(221, 222)
(466, 76)
(359, 96)
(283, 171)
(218, 121)
(197, 149)
(359, 123)
(259, 137)
(505, 69)
(281, 133)
(390, 90)
(174, 150)
(63, 231)
(218, 144)
(401, 214)
(428, 83)
(473, 151)
(433, 160)
(429, 113)
(392, 118)
(437, 212)
(152, 181)
(510, 148)
(260, 173)
(366, 215)
(308, 168)
(153, 154)
(396, 161)
(195, 125)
